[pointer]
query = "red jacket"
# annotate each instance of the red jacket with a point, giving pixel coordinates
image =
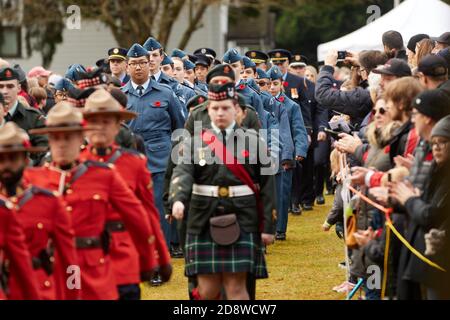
(88, 200)
(46, 223)
(13, 247)
(132, 166)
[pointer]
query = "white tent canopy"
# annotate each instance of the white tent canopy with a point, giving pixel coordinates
(409, 18)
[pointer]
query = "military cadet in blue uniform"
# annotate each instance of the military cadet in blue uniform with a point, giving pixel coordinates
(259, 58)
(117, 59)
(210, 53)
(62, 88)
(183, 92)
(189, 76)
(300, 138)
(301, 91)
(202, 65)
(234, 59)
(159, 115)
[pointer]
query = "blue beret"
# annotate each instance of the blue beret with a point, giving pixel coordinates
(137, 51)
(261, 74)
(178, 53)
(73, 72)
(167, 60)
(231, 56)
(188, 65)
(152, 44)
(248, 63)
(274, 73)
(64, 85)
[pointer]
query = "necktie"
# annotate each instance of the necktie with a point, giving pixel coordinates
(140, 90)
(8, 117)
(153, 78)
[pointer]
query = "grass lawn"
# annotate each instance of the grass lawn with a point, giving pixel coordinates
(302, 268)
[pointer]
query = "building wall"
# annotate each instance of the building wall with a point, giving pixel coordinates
(91, 42)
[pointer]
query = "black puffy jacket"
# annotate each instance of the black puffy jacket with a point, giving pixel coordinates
(355, 103)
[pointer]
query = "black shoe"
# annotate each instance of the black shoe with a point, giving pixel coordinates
(296, 210)
(176, 252)
(320, 200)
(156, 281)
(307, 207)
(280, 236)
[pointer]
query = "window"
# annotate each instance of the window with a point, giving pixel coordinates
(10, 42)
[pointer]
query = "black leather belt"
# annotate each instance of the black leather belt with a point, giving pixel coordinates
(37, 263)
(88, 243)
(115, 226)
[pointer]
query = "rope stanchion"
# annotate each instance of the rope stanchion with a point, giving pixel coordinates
(385, 264)
(390, 225)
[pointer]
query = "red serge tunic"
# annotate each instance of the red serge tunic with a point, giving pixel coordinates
(132, 166)
(89, 197)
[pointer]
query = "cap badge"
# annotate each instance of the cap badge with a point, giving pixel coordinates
(8, 73)
(253, 54)
(203, 51)
(278, 55)
(116, 51)
(418, 101)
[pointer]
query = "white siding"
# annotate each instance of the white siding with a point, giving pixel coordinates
(92, 41)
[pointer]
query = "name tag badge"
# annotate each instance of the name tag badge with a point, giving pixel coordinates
(294, 93)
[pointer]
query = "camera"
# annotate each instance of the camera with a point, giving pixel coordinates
(342, 55)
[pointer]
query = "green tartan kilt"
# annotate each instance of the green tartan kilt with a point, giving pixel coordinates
(204, 256)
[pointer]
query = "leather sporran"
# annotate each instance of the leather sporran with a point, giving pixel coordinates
(224, 229)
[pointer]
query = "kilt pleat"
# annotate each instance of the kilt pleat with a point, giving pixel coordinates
(204, 256)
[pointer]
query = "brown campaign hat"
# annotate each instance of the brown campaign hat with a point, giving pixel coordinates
(15, 139)
(63, 117)
(101, 102)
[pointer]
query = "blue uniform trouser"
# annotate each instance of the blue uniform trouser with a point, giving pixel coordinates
(284, 199)
(158, 190)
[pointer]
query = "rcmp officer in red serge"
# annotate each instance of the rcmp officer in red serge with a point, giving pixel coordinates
(237, 195)
(47, 225)
(14, 253)
(315, 117)
(25, 118)
(104, 112)
(91, 190)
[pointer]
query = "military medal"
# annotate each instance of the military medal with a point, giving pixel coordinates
(294, 93)
(201, 155)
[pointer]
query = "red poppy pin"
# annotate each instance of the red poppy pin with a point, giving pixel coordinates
(8, 74)
(387, 149)
(158, 104)
(285, 84)
(83, 123)
(26, 143)
(242, 87)
(245, 153)
(281, 99)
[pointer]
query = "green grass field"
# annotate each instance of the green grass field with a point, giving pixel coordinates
(302, 268)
